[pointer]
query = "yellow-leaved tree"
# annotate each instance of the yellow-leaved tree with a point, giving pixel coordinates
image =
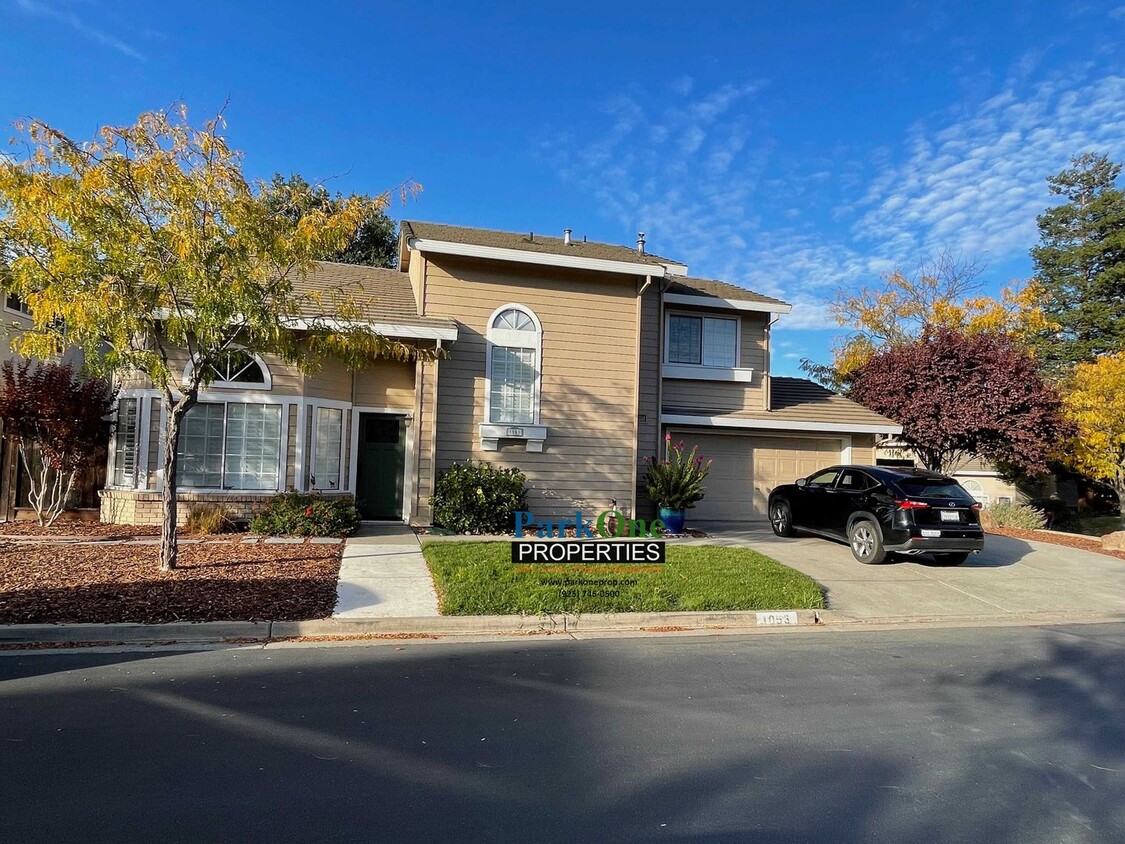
(944, 292)
(1094, 400)
(148, 241)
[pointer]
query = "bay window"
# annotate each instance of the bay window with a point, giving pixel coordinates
(327, 446)
(125, 443)
(231, 446)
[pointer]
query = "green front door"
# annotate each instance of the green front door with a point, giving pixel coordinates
(382, 462)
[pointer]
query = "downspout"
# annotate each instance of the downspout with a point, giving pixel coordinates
(638, 324)
(766, 377)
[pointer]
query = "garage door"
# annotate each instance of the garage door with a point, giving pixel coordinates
(747, 468)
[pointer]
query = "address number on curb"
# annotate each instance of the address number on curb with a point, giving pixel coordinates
(777, 618)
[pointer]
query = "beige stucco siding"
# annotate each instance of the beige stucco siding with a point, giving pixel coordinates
(863, 449)
(331, 380)
(386, 384)
(588, 375)
(286, 379)
(726, 397)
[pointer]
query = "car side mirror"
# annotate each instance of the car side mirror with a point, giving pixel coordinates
(801, 482)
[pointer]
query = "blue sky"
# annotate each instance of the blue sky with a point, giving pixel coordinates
(793, 148)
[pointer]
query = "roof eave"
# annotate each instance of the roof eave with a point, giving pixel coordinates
(780, 424)
(707, 301)
(495, 253)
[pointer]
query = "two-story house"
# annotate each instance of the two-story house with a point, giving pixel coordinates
(566, 358)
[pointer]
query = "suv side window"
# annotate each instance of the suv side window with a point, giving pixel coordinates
(854, 481)
(824, 479)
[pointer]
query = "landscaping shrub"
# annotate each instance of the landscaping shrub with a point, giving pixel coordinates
(478, 498)
(209, 518)
(1017, 516)
(307, 514)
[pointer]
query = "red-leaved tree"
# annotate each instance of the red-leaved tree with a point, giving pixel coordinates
(957, 394)
(57, 422)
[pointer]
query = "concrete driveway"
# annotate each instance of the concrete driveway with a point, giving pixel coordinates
(1011, 577)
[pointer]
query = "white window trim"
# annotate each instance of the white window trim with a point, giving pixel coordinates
(533, 433)
(701, 370)
(265, 386)
(281, 451)
(25, 314)
(228, 398)
(408, 457)
(342, 478)
(111, 469)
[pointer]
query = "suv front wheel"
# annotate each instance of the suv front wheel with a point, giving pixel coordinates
(866, 543)
(781, 517)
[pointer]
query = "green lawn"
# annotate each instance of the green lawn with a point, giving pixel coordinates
(478, 578)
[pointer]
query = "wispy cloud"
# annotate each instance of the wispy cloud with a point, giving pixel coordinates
(711, 185)
(71, 19)
(978, 181)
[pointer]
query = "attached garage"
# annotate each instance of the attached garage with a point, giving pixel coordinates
(746, 467)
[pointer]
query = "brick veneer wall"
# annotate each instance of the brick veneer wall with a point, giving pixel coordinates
(124, 507)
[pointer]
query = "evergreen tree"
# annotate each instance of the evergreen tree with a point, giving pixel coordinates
(1080, 264)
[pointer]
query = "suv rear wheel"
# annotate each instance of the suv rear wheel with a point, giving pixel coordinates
(781, 517)
(867, 544)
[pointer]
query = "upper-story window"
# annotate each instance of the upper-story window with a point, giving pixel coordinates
(236, 368)
(703, 340)
(14, 303)
(514, 350)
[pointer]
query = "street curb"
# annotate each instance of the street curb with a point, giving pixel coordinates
(226, 631)
(237, 632)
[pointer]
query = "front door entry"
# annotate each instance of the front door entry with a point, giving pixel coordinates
(381, 465)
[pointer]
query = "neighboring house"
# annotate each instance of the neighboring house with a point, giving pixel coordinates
(978, 476)
(567, 359)
(15, 316)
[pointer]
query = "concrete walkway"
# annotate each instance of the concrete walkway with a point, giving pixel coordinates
(383, 575)
(1010, 577)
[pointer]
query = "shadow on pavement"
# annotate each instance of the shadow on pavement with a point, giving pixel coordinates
(675, 740)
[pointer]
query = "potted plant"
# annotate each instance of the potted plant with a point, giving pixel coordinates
(675, 483)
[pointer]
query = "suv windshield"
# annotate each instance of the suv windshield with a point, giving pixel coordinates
(933, 488)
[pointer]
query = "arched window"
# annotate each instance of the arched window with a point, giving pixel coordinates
(515, 345)
(975, 489)
(236, 368)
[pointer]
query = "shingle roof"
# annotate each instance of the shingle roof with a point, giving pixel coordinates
(384, 295)
(796, 400)
(529, 242)
(721, 289)
(801, 400)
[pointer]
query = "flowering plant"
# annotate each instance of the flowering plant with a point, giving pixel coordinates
(676, 482)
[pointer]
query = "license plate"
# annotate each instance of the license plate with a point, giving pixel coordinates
(931, 533)
(950, 516)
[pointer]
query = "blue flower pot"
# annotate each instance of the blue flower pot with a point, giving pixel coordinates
(673, 519)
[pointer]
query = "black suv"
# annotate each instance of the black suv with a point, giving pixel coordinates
(881, 510)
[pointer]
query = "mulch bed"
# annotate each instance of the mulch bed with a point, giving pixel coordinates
(77, 530)
(1058, 539)
(222, 581)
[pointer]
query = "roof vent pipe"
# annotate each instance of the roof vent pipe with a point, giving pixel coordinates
(641, 242)
(566, 237)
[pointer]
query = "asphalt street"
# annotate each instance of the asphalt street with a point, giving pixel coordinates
(998, 735)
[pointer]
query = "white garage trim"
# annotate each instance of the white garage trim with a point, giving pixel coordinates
(778, 424)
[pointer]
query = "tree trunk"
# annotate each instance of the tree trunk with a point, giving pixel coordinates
(169, 547)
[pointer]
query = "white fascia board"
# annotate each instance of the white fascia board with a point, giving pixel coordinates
(494, 253)
(704, 301)
(778, 424)
(387, 329)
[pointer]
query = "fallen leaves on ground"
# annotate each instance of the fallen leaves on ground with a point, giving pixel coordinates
(220, 581)
(1059, 539)
(77, 530)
